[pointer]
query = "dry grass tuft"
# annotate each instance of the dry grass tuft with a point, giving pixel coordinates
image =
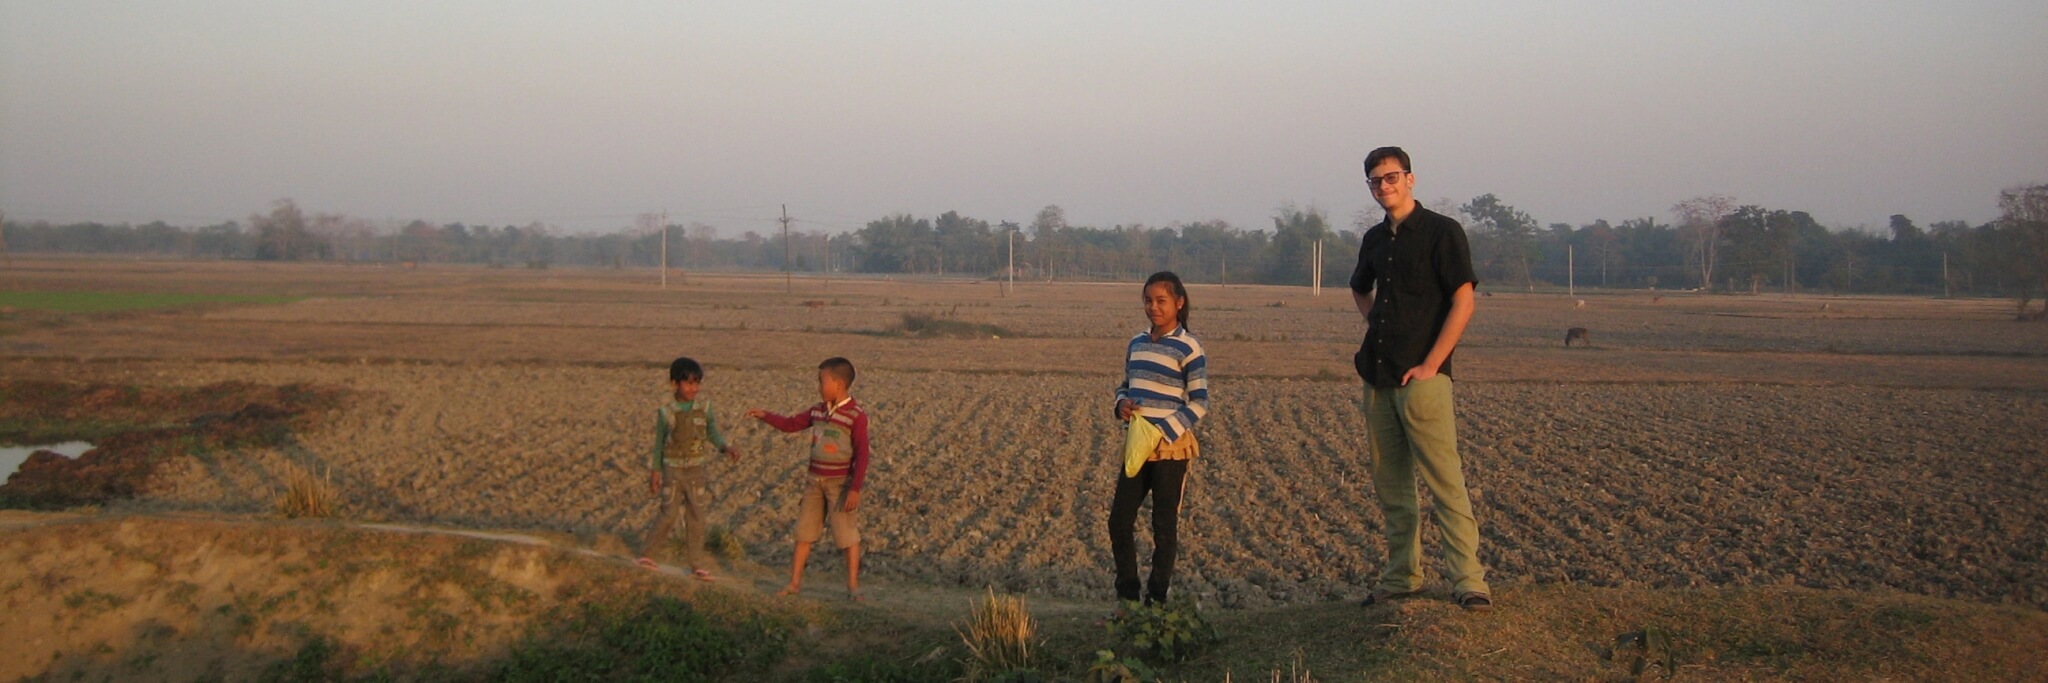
(306, 495)
(999, 637)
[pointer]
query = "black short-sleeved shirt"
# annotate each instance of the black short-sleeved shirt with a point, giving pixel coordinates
(1411, 276)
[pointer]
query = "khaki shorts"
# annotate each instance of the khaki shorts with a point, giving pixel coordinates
(821, 507)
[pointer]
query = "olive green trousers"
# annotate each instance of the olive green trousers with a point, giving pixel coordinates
(1412, 431)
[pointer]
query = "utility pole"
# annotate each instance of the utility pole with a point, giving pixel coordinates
(1571, 272)
(664, 248)
(1792, 264)
(1944, 275)
(788, 279)
(1315, 269)
(1010, 270)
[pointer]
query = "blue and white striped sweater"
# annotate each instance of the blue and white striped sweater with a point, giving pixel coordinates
(1168, 379)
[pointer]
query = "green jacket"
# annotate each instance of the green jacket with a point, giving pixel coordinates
(686, 434)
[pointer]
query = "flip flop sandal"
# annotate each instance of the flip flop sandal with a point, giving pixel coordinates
(648, 563)
(703, 575)
(1475, 602)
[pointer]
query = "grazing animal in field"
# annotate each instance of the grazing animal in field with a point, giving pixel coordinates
(1581, 303)
(1585, 338)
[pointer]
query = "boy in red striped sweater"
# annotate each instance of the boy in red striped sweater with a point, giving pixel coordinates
(839, 466)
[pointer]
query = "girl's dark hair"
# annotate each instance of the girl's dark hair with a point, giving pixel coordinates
(1179, 290)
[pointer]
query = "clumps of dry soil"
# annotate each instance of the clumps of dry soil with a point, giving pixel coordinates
(137, 429)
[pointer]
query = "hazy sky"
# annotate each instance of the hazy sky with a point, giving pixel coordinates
(583, 114)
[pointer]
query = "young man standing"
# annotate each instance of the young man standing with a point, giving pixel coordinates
(1414, 286)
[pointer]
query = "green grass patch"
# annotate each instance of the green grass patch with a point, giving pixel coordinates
(662, 638)
(115, 302)
(657, 638)
(871, 668)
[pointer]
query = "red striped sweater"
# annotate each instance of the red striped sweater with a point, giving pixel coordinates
(834, 432)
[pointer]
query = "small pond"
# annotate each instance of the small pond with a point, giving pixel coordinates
(11, 457)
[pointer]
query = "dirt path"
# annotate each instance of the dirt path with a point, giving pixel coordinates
(823, 584)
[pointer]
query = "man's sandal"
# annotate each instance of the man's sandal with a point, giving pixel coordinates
(1380, 596)
(702, 575)
(1475, 602)
(648, 563)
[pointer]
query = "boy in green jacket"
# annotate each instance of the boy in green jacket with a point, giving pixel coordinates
(686, 436)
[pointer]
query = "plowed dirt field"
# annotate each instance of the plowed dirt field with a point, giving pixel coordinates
(1864, 443)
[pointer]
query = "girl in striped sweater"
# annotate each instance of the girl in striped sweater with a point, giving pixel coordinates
(1166, 382)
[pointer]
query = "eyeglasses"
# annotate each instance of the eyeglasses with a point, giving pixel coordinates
(1388, 179)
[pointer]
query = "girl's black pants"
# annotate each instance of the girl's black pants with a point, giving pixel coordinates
(1162, 479)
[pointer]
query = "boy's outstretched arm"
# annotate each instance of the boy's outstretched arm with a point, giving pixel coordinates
(791, 423)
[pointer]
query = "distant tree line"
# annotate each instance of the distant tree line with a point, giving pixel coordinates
(1712, 243)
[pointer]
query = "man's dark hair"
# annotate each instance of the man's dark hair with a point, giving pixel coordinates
(685, 369)
(1180, 291)
(1384, 153)
(840, 368)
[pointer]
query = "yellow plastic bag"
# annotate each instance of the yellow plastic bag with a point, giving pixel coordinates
(1141, 440)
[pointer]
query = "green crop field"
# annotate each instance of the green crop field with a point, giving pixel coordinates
(109, 302)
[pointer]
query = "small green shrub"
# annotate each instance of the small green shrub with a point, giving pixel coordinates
(1109, 668)
(1173, 631)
